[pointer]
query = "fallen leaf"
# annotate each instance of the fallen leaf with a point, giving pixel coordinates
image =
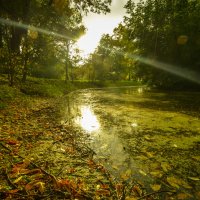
(174, 182)
(12, 142)
(13, 191)
(30, 185)
(98, 187)
(104, 186)
(148, 138)
(137, 190)
(175, 145)
(156, 187)
(194, 178)
(141, 157)
(142, 172)
(125, 176)
(41, 187)
(18, 179)
(165, 166)
(157, 174)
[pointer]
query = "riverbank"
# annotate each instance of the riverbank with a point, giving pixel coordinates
(42, 159)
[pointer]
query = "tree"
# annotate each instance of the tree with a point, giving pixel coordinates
(165, 31)
(60, 16)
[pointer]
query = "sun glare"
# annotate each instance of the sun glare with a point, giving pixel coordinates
(88, 121)
(97, 25)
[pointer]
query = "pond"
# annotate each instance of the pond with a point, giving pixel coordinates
(146, 135)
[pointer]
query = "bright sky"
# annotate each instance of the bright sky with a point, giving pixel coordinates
(100, 24)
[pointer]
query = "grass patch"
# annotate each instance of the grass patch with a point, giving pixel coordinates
(52, 87)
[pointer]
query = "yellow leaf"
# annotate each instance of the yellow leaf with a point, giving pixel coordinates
(156, 187)
(41, 187)
(18, 179)
(137, 190)
(126, 175)
(98, 187)
(194, 178)
(142, 172)
(173, 182)
(165, 166)
(156, 174)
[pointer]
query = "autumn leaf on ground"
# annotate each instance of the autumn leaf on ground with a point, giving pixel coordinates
(155, 187)
(157, 174)
(41, 187)
(136, 189)
(38, 184)
(13, 191)
(194, 178)
(174, 182)
(104, 186)
(18, 179)
(125, 176)
(142, 172)
(119, 188)
(165, 166)
(12, 142)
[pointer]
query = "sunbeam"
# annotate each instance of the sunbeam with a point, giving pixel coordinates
(33, 28)
(179, 71)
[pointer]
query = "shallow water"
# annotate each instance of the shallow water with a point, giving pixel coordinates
(148, 136)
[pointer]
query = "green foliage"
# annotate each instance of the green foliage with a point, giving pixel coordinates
(172, 38)
(109, 62)
(44, 87)
(29, 47)
(7, 92)
(144, 38)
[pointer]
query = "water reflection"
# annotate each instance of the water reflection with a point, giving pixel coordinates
(134, 124)
(140, 90)
(88, 121)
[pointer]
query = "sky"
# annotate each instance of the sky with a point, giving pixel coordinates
(97, 25)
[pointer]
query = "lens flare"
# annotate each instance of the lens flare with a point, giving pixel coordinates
(34, 28)
(179, 71)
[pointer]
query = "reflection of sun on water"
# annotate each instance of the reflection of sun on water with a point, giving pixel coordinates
(88, 120)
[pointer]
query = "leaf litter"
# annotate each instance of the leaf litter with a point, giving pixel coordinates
(41, 159)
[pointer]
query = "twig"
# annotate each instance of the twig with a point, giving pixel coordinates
(150, 194)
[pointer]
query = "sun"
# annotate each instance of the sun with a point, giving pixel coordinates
(96, 25)
(88, 43)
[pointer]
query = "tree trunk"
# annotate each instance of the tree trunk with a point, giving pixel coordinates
(67, 63)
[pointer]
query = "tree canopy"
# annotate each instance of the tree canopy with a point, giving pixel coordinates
(24, 46)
